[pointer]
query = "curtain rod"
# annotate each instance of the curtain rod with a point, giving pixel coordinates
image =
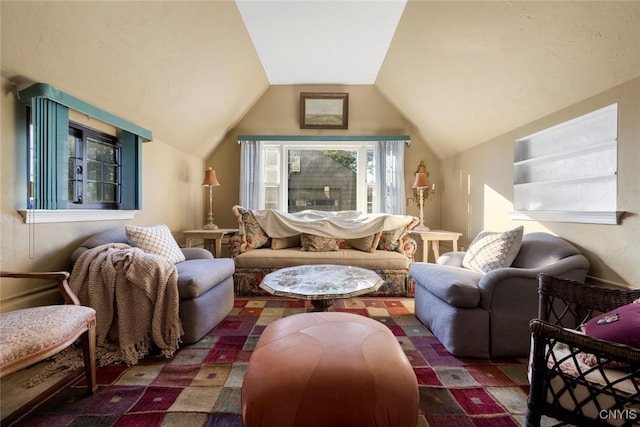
(404, 138)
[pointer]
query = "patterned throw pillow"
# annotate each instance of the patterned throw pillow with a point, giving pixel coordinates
(391, 240)
(313, 243)
(252, 235)
(156, 240)
(491, 250)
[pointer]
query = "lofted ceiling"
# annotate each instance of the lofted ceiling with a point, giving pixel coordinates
(460, 72)
(321, 42)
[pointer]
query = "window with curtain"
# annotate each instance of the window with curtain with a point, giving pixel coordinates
(295, 173)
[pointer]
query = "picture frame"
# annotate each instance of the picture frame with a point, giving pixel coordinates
(324, 110)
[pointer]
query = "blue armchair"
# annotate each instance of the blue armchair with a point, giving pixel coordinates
(487, 315)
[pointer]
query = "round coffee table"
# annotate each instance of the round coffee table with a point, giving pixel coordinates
(321, 283)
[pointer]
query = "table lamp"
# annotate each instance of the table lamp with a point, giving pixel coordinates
(210, 180)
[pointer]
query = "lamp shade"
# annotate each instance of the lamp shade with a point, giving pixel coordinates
(210, 179)
(422, 181)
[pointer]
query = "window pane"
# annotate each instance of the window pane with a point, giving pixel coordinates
(71, 191)
(93, 194)
(94, 171)
(327, 180)
(271, 197)
(272, 165)
(110, 174)
(108, 154)
(72, 145)
(94, 150)
(110, 193)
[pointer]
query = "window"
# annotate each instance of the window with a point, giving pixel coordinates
(568, 172)
(76, 173)
(94, 169)
(292, 174)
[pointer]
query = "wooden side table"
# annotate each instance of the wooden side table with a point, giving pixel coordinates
(212, 238)
(435, 236)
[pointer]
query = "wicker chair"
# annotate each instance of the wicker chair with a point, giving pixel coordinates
(562, 387)
(30, 335)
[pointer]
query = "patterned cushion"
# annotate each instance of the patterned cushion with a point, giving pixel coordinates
(252, 235)
(32, 330)
(391, 240)
(313, 243)
(491, 250)
(156, 240)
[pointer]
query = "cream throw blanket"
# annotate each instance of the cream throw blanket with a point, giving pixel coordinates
(135, 296)
(343, 224)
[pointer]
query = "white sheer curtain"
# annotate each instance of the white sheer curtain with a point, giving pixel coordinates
(391, 176)
(250, 167)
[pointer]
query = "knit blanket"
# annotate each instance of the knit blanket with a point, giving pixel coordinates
(342, 224)
(136, 299)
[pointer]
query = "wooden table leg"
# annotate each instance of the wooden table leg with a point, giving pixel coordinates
(218, 247)
(425, 250)
(435, 245)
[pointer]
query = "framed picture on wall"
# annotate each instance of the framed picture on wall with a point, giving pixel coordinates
(324, 110)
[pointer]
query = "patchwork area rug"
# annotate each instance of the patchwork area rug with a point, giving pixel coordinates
(200, 385)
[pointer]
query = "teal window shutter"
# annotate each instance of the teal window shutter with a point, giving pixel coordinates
(131, 180)
(49, 161)
(50, 133)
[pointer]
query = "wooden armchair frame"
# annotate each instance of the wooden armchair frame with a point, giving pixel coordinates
(83, 327)
(576, 398)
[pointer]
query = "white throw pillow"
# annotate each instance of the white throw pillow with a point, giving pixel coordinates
(156, 240)
(491, 250)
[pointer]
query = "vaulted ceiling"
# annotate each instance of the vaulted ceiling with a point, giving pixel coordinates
(461, 72)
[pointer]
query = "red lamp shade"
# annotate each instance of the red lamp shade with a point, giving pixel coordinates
(422, 181)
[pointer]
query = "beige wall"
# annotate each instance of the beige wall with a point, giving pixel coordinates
(276, 113)
(171, 194)
(478, 190)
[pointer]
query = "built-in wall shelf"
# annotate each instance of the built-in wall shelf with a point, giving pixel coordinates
(568, 172)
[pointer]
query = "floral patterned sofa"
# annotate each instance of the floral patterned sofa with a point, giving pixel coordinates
(268, 240)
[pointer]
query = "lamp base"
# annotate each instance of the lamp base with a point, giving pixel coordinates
(210, 226)
(421, 227)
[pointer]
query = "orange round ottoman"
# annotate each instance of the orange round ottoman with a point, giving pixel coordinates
(329, 369)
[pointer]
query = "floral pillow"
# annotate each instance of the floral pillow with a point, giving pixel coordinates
(252, 235)
(391, 240)
(313, 243)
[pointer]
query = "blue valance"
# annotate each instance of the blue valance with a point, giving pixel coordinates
(43, 90)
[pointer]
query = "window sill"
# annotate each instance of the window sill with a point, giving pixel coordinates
(40, 216)
(566, 216)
